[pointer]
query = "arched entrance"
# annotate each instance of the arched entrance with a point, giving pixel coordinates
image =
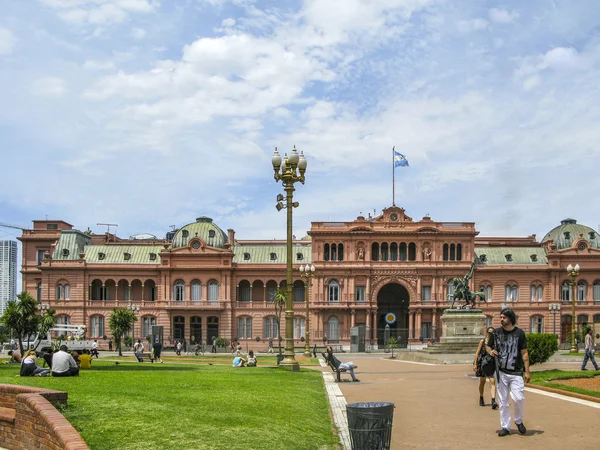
(393, 298)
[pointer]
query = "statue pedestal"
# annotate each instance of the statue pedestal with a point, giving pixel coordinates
(462, 329)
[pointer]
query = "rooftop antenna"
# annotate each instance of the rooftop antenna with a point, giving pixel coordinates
(108, 225)
(172, 227)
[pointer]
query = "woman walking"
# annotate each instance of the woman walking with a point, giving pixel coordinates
(484, 367)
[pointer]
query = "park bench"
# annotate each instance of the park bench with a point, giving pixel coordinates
(336, 370)
(147, 355)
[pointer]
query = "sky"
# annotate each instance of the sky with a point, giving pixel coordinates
(148, 113)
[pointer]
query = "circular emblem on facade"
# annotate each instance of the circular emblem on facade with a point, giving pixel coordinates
(394, 216)
(581, 246)
(390, 318)
(196, 245)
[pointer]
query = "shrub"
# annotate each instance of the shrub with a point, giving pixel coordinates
(541, 347)
(222, 342)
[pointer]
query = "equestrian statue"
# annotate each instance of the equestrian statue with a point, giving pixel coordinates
(463, 292)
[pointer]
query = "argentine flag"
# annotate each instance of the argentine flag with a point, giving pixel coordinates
(400, 160)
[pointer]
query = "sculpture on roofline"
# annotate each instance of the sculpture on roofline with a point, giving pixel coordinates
(462, 291)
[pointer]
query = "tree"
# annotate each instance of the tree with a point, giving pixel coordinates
(47, 321)
(279, 301)
(392, 344)
(120, 323)
(22, 319)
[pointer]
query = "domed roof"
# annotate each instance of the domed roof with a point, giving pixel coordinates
(570, 231)
(202, 228)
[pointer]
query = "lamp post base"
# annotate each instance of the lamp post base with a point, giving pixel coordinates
(307, 353)
(290, 365)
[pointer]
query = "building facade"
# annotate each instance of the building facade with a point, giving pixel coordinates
(200, 281)
(8, 273)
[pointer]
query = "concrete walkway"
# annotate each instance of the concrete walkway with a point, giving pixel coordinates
(437, 407)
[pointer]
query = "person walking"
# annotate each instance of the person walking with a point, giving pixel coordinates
(270, 349)
(95, 349)
(214, 345)
(508, 345)
(157, 347)
(589, 350)
(484, 367)
(179, 347)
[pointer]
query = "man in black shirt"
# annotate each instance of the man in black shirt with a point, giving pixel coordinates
(509, 345)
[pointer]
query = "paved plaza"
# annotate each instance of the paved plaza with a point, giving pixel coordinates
(437, 407)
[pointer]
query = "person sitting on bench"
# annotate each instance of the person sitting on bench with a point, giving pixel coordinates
(349, 366)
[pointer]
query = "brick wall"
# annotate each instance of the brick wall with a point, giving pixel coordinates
(29, 420)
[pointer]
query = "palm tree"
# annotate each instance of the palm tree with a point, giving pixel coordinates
(279, 301)
(120, 323)
(21, 317)
(392, 344)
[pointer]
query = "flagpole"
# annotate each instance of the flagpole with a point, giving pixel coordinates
(393, 179)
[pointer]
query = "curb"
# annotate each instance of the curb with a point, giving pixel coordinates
(337, 402)
(565, 393)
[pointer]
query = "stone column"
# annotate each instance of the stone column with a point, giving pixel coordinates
(352, 318)
(411, 325)
(418, 325)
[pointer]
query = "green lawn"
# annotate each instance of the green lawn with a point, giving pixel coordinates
(550, 378)
(187, 406)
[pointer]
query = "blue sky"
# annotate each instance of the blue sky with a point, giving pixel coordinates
(149, 114)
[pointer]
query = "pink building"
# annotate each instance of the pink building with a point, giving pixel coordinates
(200, 281)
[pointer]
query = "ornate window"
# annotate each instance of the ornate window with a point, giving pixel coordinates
(375, 252)
(384, 251)
(59, 292)
(340, 252)
(179, 291)
(537, 324)
(360, 294)
(333, 288)
(566, 291)
(298, 291)
(245, 327)
(326, 252)
(512, 293)
(270, 328)
(147, 323)
(595, 291)
(536, 292)
(445, 252)
(449, 290)
(333, 329)
(412, 251)
(96, 326)
(39, 292)
(299, 327)
(487, 292)
(213, 291)
(581, 291)
(196, 291)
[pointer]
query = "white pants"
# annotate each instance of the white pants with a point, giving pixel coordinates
(515, 385)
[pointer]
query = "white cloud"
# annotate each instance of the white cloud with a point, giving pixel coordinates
(229, 22)
(92, 64)
(49, 87)
(99, 12)
(503, 16)
(7, 41)
(138, 33)
(478, 24)
(561, 58)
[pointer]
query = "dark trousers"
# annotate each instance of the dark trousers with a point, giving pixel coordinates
(589, 355)
(213, 349)
(72, 372)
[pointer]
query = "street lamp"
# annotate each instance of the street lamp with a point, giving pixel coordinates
(573, 273)
(136, 311)
(307, 272)
(554, 309)
(288, 176)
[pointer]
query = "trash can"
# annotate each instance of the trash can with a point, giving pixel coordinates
(370, 425)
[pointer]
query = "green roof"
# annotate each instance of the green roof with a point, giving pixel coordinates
(261, 254)
(496, 256)
(569, 231)
(70, 244)
(115, 254)
(202, 228)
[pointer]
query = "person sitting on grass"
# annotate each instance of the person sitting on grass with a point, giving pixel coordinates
(349, 366)
(238, 361)
(63, 364)
(251, 359)
(29, 367)
(85, 360)
(15, 357)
